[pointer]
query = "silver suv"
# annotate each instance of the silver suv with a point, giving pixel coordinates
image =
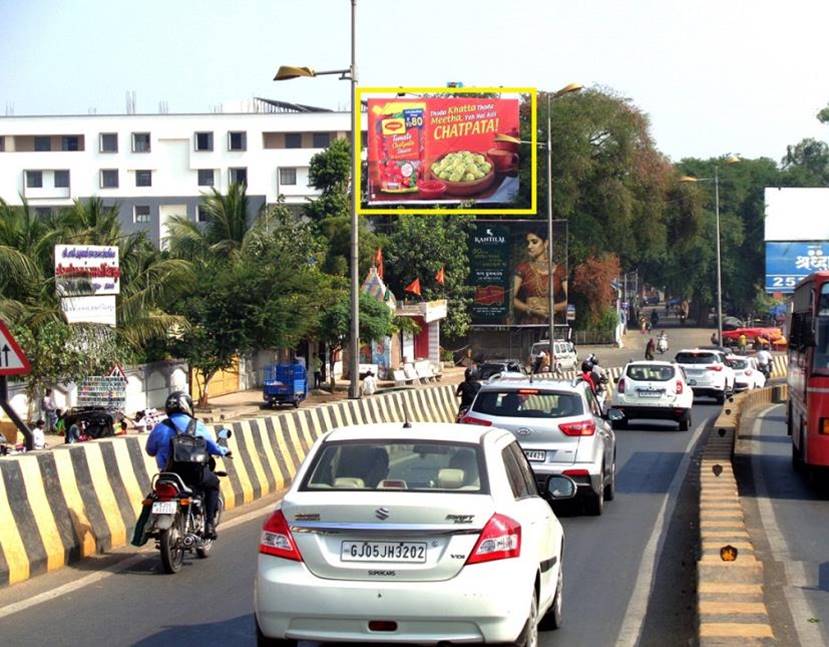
(560, 427)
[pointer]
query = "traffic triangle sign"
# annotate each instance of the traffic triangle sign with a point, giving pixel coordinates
(118, 371)
(13, 360)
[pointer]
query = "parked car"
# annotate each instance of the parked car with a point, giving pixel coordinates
(731, 323)
(653, 390)
(565, 353)
(490, 367)
(561, 429)
(747, 373)
(412, 533)
(708, 372)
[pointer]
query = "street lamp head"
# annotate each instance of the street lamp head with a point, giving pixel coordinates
(732, 159)
(567, 89)
(688, 179)
(287, 72)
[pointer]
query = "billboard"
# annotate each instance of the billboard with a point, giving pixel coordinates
(796, 214)
(510, 276)
(426, 153)
(87, 270)
(96, 309)
(788, 263)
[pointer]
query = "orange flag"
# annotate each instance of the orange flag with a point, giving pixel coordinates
(413, 287)
(440, 277)
(378, 261)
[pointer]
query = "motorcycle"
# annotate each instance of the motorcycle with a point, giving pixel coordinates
(662, 344)
(765, 369)
(176, 515)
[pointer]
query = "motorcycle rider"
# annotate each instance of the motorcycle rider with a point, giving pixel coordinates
(587, 375)
(179, 408)
(764, 361)
(662, 342)
(467, 390)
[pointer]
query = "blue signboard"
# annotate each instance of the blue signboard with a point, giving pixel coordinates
(788, 263)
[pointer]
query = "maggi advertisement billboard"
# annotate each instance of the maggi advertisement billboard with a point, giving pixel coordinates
(436, 151)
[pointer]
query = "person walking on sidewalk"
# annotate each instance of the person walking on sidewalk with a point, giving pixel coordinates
(50, 411)
(649, 349)
(317, 366)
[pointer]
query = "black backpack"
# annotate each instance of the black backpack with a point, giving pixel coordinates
(187, 448)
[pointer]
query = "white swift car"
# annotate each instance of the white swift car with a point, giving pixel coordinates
(419, 533)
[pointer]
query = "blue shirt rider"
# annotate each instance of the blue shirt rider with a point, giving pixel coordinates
(179, 408)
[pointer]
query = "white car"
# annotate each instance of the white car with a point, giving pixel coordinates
(564, 352)
(562, 430)
(747, 373)
(708, 372)
(653, 390)
(424, 533)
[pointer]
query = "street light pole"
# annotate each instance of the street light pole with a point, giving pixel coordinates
(285, 73)
(719, 262)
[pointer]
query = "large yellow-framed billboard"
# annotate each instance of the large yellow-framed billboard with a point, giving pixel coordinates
(428, 154)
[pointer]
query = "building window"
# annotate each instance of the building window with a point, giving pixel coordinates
(201, 214)
(109, 142)
(141, 213)
(43, 212)
(204, 141)
(109, 178)
(61, 179)
(2, 144)
(141, 142)
(293, 140)
(287, 176)
(43, 144)
(322, 140)
(143, 178)
(206, 176)
(70, 143)
(238, 175)
(237, 141)
(34, 179)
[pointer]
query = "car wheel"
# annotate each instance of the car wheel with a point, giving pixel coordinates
(619, 424)
(594, 503)
(789, 420)
(263, 641)
(610, 488)
(720, 398)
(555, 616)
(529, 634)
(685, 422)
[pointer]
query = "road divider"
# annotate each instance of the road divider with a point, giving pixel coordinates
(61, 505)
(730, 600)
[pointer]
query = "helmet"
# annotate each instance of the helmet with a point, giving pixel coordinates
(179, 402)
(586, 366)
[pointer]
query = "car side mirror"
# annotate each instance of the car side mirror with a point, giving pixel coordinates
(614, 415)
(560, 488)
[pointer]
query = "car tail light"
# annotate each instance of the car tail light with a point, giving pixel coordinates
(500, 539)
(748, 371)
(576, 473)
(166, 491)
(472, 420)
(621, 387)
(679, 387)
(715, 367)
(583, 428)
(277, 539)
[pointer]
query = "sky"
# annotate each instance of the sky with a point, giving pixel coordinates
(714, 76)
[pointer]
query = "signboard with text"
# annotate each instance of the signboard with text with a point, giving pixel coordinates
(87, 270)
(788, 263)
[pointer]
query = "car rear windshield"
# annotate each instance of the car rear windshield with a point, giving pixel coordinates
(696, 358)
(650, 372)
(739, 363)
(410, 466)
(528, 403)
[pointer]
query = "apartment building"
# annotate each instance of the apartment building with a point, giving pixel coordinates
(155, 166)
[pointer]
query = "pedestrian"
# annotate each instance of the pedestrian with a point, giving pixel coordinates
(317, 365)
(743, 341)
(74, 431)
(47, 404)
(122, 428)
(649, 349)
(539, 362)
(369, 384)
(715, 341)
(38, 435)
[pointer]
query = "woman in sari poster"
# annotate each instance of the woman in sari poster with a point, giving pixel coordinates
(531, 283)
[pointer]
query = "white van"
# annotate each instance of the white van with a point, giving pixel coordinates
(564, 352)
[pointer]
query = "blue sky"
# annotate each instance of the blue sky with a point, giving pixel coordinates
(715, 76)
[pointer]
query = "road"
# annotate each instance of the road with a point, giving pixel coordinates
(788, 522)
(628, 573)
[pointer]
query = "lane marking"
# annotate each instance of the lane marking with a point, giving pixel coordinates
(634, 618)
(119, 567)
(734, 630)
(799, 607)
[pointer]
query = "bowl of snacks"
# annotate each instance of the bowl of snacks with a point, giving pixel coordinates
(463, 172)
(431, 189)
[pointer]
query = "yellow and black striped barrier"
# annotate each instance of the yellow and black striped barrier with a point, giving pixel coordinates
(73, 501)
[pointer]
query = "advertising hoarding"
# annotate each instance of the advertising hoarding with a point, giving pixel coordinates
(509, 273)
(427, 153)
(796, 214)
(87, 270)
(788, 263)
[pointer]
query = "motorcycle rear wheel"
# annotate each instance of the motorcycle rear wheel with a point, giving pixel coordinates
(172, 552)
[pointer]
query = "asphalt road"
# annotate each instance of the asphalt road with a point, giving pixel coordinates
(628, 573)
(788, 521)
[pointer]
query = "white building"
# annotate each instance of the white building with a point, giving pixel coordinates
(154, 166)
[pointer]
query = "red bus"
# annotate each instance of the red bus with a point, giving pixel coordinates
(807, 418)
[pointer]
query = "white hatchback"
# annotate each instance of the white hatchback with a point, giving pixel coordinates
(653, 390)
(423, 533)
(747, 374)
(708, 372)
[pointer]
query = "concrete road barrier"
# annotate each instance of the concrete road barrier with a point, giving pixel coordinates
(61, 505)
(730, 600)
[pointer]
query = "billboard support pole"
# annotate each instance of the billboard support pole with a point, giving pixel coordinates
(550, 268)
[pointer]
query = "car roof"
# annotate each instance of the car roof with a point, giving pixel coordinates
(526, 383)
(699, 350)
(426, 431)
(650, 362)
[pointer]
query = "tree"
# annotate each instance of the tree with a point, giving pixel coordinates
(593, 279)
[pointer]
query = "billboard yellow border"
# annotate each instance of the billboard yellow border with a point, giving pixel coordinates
(387, 211)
